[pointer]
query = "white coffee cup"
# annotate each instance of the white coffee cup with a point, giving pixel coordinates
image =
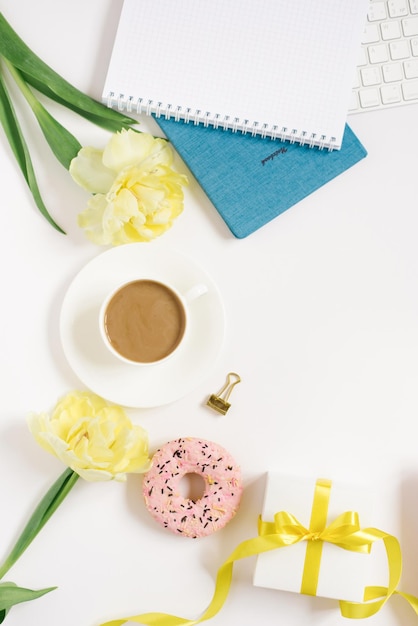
(145, 321)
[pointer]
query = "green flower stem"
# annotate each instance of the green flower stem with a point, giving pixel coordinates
(62, 143)
(20, 149)
(47, 506)
(21, 84)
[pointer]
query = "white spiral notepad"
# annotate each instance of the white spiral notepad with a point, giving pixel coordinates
(276, 68)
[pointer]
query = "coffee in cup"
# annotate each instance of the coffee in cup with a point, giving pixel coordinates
(144, 321)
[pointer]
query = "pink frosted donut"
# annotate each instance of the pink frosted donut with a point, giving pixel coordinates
(222, 493)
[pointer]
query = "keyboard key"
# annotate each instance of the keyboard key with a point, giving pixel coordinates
(370, 34)
(392, 72)
(390, 30)
(390, 94)
(413, 5)
(363, 59)
(377, 11)
(399, 50)
(370, 76)
(369, 98)
(378, 54)
(354, 103)
(411, 68)
(397, 8)
(410, 90)
(410, 26)
(414, 46)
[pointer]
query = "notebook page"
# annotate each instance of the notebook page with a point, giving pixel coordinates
(268, 66)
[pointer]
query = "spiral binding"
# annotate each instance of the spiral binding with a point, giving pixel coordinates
(226, 123)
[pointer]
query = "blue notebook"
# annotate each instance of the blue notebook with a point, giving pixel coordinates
(251, 180)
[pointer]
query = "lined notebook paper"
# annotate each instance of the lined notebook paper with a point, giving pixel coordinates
(275, 68)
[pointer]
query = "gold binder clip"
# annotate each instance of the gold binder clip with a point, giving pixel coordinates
(219, 401)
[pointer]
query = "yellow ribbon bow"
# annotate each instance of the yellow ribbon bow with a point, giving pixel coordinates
(344, 532)
(286, 530)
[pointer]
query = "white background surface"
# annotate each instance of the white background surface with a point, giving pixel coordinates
(322, 326)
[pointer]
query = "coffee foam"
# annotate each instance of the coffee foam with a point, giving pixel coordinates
(144, 321)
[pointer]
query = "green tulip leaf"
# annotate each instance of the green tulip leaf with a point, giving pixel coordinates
(18, 145)
(47, 506)
(46, 80)
(11, 594)
(62, 143)
(110, 124)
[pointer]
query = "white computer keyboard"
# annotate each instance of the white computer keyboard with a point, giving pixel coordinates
(387, 73)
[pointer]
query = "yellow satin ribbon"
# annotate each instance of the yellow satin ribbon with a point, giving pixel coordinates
(286, 530)
(356, 610)
(344, 532)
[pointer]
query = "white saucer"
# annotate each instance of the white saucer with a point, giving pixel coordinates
(104, 374)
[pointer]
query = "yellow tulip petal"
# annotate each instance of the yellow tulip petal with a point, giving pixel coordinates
(128, 147)
(95, 439)
(141, 197)
(88, 170)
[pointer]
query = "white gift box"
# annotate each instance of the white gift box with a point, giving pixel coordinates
(343, 574)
